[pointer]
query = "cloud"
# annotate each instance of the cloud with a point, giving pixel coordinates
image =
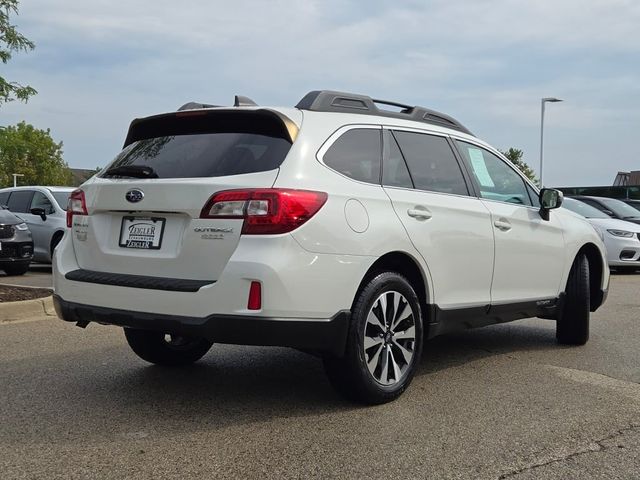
(99, 64)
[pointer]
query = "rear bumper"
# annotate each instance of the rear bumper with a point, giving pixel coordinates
(327, 335)
(295, 283)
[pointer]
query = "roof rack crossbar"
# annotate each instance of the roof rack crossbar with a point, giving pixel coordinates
(393, 104)
(332, 101)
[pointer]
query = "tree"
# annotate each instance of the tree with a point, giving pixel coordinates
(11, 41)
(515, 156)
(32, 152)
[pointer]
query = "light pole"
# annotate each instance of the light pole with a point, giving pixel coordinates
(543, 101)
(15, 178)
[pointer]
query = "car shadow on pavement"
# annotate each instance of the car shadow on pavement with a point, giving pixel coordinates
(230, 386)
(625, 271)
(43, 268)
(261, 382)
(109, 388)
(38, 272)
(461, 348)
(103, 385)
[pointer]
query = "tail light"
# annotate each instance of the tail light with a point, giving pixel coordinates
(76, 206)
(265, 211)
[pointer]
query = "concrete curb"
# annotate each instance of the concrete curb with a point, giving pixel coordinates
(32, 287)
(26, 310)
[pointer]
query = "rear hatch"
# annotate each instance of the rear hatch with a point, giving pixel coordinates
(144, 208)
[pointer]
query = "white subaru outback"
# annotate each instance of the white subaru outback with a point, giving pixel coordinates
(337, 227)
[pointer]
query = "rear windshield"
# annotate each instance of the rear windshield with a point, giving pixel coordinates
(205, 155)
(204, 144)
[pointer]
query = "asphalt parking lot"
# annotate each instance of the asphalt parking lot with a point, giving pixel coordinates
(39, 275)
(499, 402)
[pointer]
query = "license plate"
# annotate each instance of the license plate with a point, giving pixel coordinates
(142, 232)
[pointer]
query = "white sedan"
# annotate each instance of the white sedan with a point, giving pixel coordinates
(621, 238)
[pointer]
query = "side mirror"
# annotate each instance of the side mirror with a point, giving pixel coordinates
(608, 212)
(549, 199)
(39, 211)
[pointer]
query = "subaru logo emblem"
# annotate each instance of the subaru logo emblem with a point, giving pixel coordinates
(134, 196)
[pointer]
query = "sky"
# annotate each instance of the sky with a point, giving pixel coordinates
(98, 64)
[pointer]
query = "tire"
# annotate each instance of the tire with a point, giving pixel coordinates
(573, 322)
(15, 270)
(393, 337)
(164, 349)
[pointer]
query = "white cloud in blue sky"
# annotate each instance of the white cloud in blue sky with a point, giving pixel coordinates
(98, 64)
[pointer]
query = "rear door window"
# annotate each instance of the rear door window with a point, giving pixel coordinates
(20, 200)
(357, 154)
(432, 163)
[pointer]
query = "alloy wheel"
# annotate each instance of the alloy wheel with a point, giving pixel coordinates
(389, 338)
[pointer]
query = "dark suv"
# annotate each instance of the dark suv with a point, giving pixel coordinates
(16, 244)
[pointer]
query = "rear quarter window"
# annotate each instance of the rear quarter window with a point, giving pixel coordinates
(357, 154)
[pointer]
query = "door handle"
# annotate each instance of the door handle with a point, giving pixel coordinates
(419, 213)
(502, 224)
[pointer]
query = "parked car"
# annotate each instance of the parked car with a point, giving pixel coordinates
(634, 203)
(355, 234)
(16, 244)
(621, 238)
(43, 209)
(613, 207)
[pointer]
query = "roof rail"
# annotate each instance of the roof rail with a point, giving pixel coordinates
(331, 101)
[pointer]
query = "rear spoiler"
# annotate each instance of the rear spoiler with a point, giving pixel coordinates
(261, 121)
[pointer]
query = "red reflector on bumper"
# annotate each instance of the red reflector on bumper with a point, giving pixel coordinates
(255, 296)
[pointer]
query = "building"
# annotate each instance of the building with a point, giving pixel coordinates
(81, 175)
(624, 179)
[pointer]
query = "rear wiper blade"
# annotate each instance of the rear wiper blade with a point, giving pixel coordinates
(136, 171)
